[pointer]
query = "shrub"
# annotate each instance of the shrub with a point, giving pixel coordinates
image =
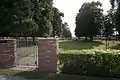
(91, 63)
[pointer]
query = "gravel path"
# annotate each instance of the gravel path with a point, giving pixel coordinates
(2, 77)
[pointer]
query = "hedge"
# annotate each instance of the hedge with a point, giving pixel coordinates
(91, 63)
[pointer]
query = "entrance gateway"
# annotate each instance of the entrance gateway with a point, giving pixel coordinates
(27, 52)
(41, 53)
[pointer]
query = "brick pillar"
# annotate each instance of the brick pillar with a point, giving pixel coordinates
(7, 53)
(47, 55)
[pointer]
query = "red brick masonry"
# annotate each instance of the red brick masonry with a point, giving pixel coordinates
(7, 53)
(47, 55)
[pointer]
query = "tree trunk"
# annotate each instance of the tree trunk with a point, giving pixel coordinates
(119, 35)
(91, 38)
(86, 38)
(16, 37)
(3, 38)
(78, 38)
(106, 42)
(26, 41)
(33, 39)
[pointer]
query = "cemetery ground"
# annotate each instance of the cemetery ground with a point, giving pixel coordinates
(65, 46)
(49, 76)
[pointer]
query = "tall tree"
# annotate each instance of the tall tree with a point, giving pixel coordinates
(22, 18)
(43, 16)
(18, 16)
(57, 23)
(116, 10)
(26, 17)
(89, 20)
(109, 26)
(5, 16)
(66, 31)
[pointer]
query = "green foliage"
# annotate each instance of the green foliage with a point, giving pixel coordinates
(116, 11)
(60, 29)
(89, 20)
(4, 21)
(43, 16)
(26, 18)
(91, 63)
(66, 31)
(109, 25)
(22, 19)
(57, 23)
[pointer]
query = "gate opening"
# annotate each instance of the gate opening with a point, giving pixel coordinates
(27, 52)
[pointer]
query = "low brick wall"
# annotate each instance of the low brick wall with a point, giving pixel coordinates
(7, 53)
(47, 55)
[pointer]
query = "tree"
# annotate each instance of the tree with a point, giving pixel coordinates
(22, 18)
(89, 20)
(57, 23)
(109, 24)
(117, 14)
(66, 31)
(108, 29)
(43, 16)
(5, 17)
(26, 18)
(18, 14)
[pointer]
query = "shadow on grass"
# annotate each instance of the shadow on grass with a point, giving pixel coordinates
(117, 47)
(79, 45)
(52, 76)
(36, 75)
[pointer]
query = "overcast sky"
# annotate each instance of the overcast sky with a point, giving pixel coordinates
(70, 9)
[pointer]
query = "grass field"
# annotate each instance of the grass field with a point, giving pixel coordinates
(72, 45)
(48, 76)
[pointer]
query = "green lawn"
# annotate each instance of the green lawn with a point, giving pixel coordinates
(48, 76)
(72, 45)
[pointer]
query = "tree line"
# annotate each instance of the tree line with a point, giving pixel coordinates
(31, 18)
(91, 22)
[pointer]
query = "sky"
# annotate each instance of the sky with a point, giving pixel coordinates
(70, 9)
